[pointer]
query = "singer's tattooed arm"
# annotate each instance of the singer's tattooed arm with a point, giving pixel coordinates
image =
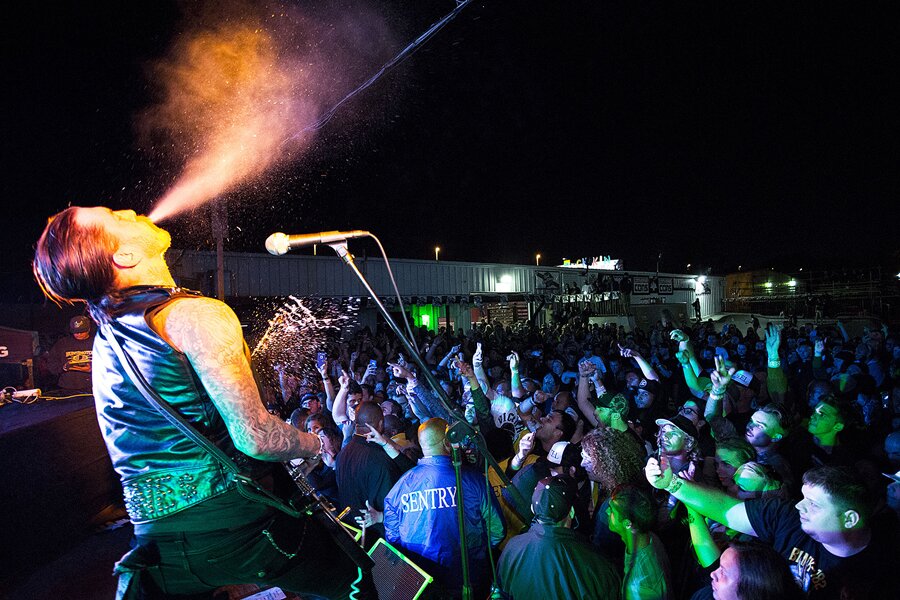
(209, 334)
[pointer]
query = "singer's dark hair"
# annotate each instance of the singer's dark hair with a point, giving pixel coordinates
(73, 262)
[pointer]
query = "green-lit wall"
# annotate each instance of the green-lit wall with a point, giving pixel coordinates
(427, 316)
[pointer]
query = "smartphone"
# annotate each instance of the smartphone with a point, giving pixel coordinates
(373, 364)
(321, 357)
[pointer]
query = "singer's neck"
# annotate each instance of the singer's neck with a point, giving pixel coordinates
(153, 272)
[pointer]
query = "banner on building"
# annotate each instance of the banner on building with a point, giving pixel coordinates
(641, 285)
(666, 286)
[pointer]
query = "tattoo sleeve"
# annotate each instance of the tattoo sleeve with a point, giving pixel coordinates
(209, 334)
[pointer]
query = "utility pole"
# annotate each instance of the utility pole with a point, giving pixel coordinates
(219, 221)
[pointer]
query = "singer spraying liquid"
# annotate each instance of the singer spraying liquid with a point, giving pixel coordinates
(160, 348)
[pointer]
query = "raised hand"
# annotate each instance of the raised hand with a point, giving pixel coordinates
(721, 376)
(819, 349)
(586, 368)
(678, 336)
(323, 370)
(525, 446)
(628, 352)
(513, 359)
(773, 339)
(465, 369)
(401, 371)
(369, 516)
(478, 357)
(373, 435)
(370, 371)
(658, 477)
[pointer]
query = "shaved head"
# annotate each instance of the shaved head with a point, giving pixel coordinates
(433, 437)
(369, 413)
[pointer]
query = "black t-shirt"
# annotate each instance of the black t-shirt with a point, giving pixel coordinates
(870, 574)
(67, 354)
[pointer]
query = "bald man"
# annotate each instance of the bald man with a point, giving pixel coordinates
(420, 515)
(369, 464)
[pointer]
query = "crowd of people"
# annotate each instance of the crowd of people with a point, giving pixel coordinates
(684, 461)
(689, 461)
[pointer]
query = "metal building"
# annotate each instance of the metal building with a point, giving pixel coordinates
(455, 292)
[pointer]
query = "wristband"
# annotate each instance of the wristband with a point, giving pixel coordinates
(675, 484)
(715, 397)
(717, 392)
(321, 451)
(774, 364)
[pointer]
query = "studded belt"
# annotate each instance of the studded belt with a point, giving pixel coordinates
(161, 494)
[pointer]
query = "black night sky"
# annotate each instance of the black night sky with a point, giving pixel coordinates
(720, 134)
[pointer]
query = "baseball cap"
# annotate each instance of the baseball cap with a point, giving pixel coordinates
(565, 454)
(306, 398)
(552, 499)
(745, 378)
(80, 324)
(649, 385)
(682, 423)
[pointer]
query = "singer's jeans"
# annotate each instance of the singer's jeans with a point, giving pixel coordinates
(194, 563)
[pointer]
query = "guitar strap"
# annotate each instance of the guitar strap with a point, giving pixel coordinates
(246, 486)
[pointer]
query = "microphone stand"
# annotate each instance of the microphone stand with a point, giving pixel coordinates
(459, 430)
(461, 520)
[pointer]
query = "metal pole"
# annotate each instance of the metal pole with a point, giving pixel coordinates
(220, 230)
(461, 514)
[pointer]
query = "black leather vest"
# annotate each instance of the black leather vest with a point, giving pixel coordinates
(162, 471)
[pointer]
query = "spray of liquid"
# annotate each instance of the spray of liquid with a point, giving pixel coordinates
(231, 101)
(235, 91)
(299, 329)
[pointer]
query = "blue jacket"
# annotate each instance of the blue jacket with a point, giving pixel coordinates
(420, 516)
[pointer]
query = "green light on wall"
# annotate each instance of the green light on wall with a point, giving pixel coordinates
(427, 316)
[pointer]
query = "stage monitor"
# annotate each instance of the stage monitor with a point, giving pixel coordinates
(396, 577)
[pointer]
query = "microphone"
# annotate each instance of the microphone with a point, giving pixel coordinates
(280, 243)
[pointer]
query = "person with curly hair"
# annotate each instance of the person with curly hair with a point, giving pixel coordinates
(610, 458)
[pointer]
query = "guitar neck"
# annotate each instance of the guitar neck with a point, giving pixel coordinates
(300, 480)
(321, 509)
